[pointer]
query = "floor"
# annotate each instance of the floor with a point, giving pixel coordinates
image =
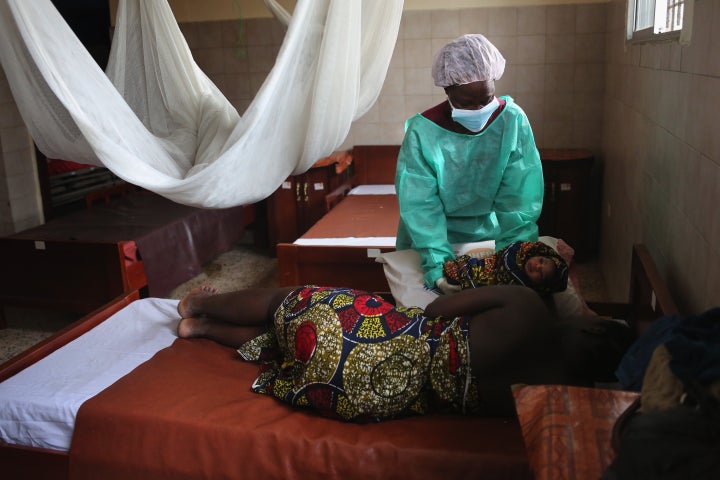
(241, 267)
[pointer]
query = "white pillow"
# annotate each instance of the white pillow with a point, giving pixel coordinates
(405, 277)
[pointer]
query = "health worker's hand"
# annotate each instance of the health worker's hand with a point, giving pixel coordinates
(445, 287)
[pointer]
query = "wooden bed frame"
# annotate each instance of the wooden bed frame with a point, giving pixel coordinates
(648, 297)
(343, 265)
(80, 262)
(66, 276)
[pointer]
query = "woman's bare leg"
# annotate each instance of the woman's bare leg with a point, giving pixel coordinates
(221, 332)
(250, 307)
(229, 318)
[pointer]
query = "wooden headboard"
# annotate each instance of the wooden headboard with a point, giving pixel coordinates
(375, 164)
(649, 297)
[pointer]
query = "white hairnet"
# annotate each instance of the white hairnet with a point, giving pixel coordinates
(469, 58)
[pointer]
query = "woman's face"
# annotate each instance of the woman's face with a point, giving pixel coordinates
(471, 96)
(540, 270)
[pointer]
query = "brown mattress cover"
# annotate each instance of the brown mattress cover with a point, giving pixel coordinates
(359, 216)
(173, 240)
(188, 412)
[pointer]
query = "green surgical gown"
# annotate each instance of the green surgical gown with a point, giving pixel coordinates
(460, 188)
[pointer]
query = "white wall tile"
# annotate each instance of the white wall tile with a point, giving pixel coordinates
(398, 56)
(530, 79)
(394, 82)
(556, 134)
(415, 24)
(418, 104)
(508, 46)
(20, 186)
(18, 162)
(445, 24)
(418, 81)
(418, 53)
(561, 19)
(391, 133)
(533, 105)
(590, 78)
(714, 60)
(366, 133)
(531, 50)
(590, 48)
(590, 18)
(475, 20)
(558, 77)
(507, 85)
(700, 127)
(14, 139)
(372, 115)
(532, 21)
(695, 56)
(392, 109)
(502, 22)
(560, 48)
(9, 115)
(559, 108)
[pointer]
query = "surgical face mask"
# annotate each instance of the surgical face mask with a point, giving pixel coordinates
(474, 120)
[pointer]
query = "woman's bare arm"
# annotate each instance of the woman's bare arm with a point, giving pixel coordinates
(477, 300)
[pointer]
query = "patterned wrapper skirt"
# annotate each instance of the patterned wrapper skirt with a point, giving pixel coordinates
(353, 356)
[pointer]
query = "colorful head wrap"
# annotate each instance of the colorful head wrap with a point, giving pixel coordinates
(507, 267)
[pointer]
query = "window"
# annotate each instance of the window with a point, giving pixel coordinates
(657, 19)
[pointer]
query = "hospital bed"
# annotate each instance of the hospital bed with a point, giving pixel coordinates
(341, 248)
(118, 396)
(139, 241)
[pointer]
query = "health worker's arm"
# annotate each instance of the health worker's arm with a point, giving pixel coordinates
(421, 212)
(519, 199)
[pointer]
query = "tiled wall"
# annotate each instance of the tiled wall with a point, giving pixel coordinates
(20, 206)
(661, 148)
(555, 66)
(555, 69)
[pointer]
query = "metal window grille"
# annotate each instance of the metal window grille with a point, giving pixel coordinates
(674, 15)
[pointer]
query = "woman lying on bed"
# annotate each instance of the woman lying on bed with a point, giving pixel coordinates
(351, 355)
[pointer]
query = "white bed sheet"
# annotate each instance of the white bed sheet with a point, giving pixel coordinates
(38, 405)
(373, 190)
(349, 241)
(380, 189)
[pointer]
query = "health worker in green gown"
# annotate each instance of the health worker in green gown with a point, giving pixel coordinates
(468, 169)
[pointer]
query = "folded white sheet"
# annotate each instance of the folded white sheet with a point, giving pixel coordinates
(373, 190)
(38, 405)
(348, 241)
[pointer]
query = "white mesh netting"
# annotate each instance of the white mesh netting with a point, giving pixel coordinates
(156, 120)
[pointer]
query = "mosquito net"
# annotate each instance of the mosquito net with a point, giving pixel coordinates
(156, 120)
